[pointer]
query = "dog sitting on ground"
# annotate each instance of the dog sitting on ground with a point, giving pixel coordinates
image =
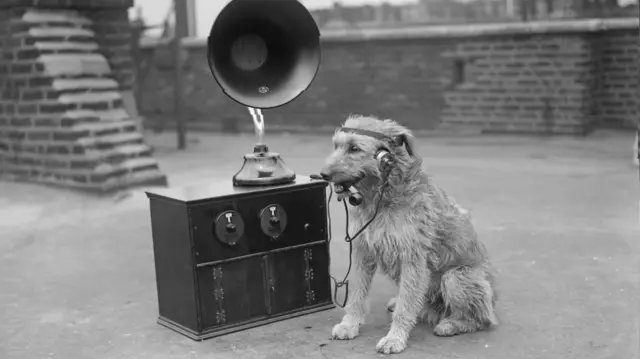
(420, 238)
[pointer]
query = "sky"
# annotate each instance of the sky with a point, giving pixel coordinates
(155, 11)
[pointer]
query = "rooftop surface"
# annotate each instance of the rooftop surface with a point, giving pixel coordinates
(558, 215)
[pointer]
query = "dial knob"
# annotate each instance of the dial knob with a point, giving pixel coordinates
(230, 228)
(273, 220)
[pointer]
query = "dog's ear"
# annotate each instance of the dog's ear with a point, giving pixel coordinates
(408, 141)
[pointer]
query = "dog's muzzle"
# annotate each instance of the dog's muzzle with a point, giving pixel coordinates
(347, 190)
(341, 186)
(343, 189)
(352, 193)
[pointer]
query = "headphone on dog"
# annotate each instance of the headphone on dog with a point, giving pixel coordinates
(385, 158)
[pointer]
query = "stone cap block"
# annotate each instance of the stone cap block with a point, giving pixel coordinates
(480, 30)
(54, 16)
(448, 31)
(68, 4)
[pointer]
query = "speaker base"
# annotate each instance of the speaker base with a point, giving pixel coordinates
(263, 168)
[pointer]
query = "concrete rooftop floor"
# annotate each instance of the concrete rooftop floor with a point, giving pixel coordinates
(559, 216)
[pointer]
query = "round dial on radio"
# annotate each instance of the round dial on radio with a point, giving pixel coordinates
(229, 227)
(273, 220)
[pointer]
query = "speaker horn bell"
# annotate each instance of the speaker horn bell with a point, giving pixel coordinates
(264, 53)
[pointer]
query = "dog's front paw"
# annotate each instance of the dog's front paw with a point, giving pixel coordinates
(345, 331)
(391, 345)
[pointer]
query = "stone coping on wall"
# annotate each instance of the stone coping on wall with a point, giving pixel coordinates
(67, 4)
(449, 31)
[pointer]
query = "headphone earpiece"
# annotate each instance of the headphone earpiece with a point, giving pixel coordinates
(385, 160)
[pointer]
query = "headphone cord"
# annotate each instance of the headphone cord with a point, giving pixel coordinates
(349, 239)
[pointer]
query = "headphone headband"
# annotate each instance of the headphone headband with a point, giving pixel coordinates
(396, 141)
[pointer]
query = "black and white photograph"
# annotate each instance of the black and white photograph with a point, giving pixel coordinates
(319, 179)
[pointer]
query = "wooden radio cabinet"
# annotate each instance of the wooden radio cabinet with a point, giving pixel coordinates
(231, 258)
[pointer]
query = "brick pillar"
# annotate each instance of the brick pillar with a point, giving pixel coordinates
(636, 146)
(65, 65)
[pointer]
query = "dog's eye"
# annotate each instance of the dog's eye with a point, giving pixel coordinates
(354, 149)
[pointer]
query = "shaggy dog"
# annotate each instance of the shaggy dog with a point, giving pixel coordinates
(420, 238)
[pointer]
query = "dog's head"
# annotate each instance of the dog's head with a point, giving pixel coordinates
(358, 141)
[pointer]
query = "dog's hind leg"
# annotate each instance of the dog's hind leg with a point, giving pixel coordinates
(414, 281)
(469, 298)
(355, 310)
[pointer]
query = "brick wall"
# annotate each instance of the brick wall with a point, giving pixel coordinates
(543, 77)
(523, 83)
(113, 34)
(353, 78)
(62, 118)
(617, 96)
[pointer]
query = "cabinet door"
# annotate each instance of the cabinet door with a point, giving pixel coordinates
(232, 292)
(298, 278)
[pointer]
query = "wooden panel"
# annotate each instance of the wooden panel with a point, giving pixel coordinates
(298, 278)
(174, 263)
(232, 292)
